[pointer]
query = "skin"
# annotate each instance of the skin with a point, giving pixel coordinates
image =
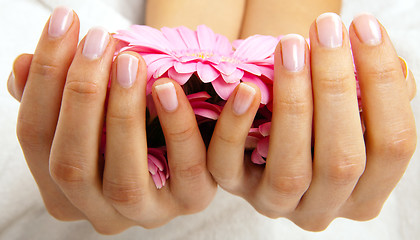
(351, 174)
(349, 177)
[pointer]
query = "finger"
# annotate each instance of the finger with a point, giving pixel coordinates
(339, 152)
(19, 75)
(190, 181)
(225, 155)
(127, 182)
(289, 163)
(390, 129)
(74, 162)
(41, 101)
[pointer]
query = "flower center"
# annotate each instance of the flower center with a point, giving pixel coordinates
(202, 55)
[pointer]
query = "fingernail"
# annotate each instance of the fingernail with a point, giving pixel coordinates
(127, 67)
(96, 42)
(330, 33)
(60, 21)
(368, 29)
(293, 52)
(404, 67)
(243, 99)
(167, 96)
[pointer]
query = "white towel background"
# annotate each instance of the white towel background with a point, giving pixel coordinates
(22, 214)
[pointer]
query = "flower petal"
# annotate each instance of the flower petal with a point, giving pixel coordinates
(156, 162)
(236, 76)
(149, 85)
(157, 180)
(189, 67)
(181, 78)
(267, 71)
(264, 88)
(200, 96)
(256, 158)
(166, 65)
(162, 178)
(251, 142)
(152, 167)
(174, 38)
(251, 68)
(149, 36)
(223, 45)
(226, 68)
(237, 43)
(222, 88)
(206, 38)
(206, 72)
(207, 113)
(189, 36)
(206, 106)
(256, 47)
(262, 146)
(265, 129)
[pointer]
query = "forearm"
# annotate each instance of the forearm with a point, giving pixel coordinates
(276, 17)
(223, 16)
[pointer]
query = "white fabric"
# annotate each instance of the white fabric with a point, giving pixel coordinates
(228, 217)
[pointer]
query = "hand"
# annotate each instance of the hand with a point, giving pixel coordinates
(350, 172)
(60, 124)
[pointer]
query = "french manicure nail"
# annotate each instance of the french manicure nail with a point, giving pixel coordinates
(368, 29)
(60, 21)
(243, 98)
(96, 42)
(293, 52)
(167, 96)
(330, 33)
(127, 67)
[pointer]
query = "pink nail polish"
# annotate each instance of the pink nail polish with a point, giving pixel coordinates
(96, 42)
(330, 33)
(127, 67)
(60, 21)
(243, 99)
(368, 29)
(293, 52)
(167, 96)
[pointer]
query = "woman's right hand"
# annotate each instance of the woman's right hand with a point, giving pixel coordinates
(60, 124)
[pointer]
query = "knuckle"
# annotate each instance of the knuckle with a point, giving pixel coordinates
(225, 178)
(106, 228)
(294, 105)
(346, 168)
(68, 173)
(385, 74)
(122, 117)
(192, 207)
(60, 213)
(401, 145)
(182, 134)
(286, 186)
(30, 135)
(228, 139)
(190, 173)
(336, 82)
(124, 193)
(313, 225)
(82, 90)
(365, 214)
(270, 213)
(45, 68)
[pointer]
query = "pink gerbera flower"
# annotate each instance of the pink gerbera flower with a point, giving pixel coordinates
(180, 52)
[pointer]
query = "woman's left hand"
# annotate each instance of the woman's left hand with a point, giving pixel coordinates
(345, 171)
